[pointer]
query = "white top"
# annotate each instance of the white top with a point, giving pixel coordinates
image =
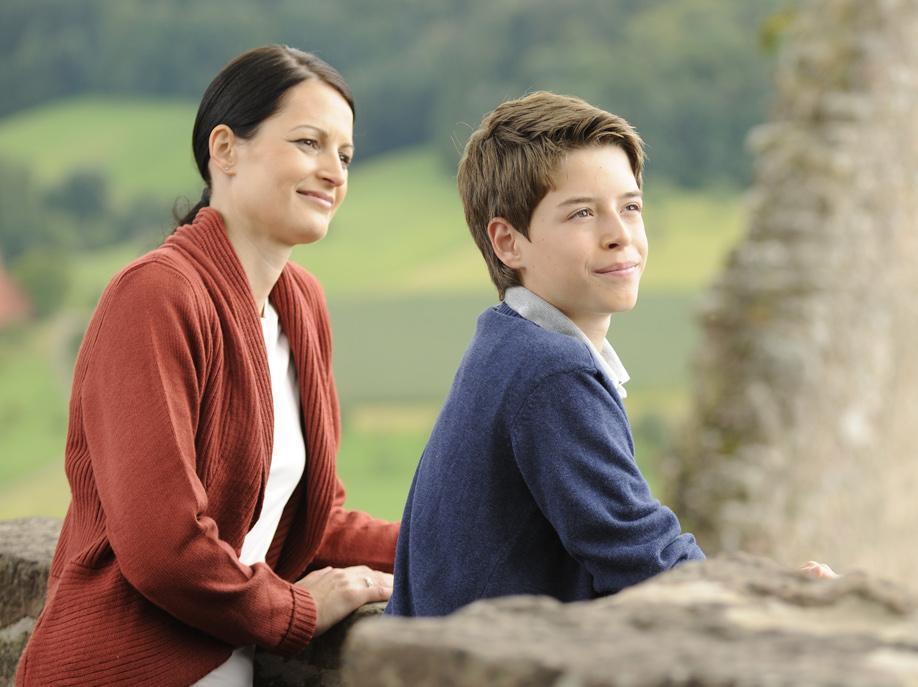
(539, 311)
(288, 461)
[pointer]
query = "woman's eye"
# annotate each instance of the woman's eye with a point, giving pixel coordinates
(311, 142)
(345, 161)
(581, 213)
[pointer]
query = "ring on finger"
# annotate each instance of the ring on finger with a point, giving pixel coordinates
(368, 581)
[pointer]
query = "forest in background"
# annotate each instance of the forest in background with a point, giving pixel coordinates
(692, 75)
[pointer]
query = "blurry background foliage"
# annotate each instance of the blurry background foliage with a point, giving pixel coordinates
(97, 100)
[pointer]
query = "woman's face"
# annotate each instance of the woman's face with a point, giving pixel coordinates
(289, 179)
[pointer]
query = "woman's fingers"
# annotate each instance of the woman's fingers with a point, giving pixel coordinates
(371, 585)
(338, 592)
(381, 589)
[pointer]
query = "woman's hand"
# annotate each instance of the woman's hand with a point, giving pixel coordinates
(338, 592)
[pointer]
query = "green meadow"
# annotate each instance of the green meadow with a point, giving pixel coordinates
(404, 281)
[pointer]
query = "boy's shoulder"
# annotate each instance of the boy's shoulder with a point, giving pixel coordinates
(524, 353)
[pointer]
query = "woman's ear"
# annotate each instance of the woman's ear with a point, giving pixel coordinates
(222, 146)
(505, 241)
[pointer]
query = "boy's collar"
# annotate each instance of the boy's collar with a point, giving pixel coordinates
(539, 311)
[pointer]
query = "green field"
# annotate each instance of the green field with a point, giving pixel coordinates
(142, 145)
(405, 285)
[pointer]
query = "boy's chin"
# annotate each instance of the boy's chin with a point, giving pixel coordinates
(623, 305)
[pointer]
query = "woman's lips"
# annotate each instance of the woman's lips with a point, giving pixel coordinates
(323, 199)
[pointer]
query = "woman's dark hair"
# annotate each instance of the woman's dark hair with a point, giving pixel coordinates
(246, 92)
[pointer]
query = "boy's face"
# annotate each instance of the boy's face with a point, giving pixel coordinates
(587, 247)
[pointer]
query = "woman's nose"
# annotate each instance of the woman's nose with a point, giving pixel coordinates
(333, 170)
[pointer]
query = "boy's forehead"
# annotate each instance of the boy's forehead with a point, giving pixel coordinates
(601, 163)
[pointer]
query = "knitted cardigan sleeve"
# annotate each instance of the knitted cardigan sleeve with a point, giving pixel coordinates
(140, 402)
(573, 447)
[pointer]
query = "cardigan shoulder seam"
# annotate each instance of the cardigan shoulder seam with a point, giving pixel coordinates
(117, 282)
(537, 385)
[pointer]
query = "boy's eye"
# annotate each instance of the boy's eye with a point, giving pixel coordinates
(633, 207)
(582, 213)
(345, 160)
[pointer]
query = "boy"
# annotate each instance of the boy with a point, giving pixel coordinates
(528, 483)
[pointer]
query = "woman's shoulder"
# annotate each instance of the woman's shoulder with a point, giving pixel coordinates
(159, 278)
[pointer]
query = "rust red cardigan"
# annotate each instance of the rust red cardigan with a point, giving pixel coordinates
(168, 449)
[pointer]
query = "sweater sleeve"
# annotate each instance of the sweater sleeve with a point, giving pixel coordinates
(355, 538)
(140, 398)
(572, 444)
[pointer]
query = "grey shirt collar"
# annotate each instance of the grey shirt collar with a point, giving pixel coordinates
(547, 316)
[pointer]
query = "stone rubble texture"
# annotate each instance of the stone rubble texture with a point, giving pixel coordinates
(26, 548)
(737, 621)
(802, 441)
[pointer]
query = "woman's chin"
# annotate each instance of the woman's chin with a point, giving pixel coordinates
(309, 234)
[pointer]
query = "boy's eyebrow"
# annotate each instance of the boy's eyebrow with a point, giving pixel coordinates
(318, 130)
(591, 199)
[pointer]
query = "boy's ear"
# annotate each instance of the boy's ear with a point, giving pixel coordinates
(222, 146)
(505, 241)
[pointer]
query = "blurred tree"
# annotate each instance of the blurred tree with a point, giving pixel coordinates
(83, 194)
(21, 212)
(45, 275)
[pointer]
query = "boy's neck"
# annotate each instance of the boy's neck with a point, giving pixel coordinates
(595, 326)
(596, 330)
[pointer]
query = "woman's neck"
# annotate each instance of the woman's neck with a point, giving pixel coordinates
(262, 259)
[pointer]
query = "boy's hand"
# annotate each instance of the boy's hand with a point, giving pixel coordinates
(819, 570)
(340, 591)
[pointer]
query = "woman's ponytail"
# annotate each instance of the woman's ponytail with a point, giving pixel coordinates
(189, 216)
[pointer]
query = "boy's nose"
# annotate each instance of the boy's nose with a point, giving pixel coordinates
(615, 233)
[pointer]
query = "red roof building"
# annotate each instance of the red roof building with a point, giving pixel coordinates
(14, 306)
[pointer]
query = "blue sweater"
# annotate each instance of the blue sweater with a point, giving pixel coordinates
(528, 483)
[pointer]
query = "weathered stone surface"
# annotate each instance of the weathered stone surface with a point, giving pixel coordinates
(319, 664)
(803, 439)
(26, 548)
(737, 621)
(13, 639)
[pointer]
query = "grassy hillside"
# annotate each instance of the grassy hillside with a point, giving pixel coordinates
(142, 145)
(404, 280)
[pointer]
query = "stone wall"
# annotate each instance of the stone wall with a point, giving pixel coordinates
(803, 441)
(738, 621)
(26, 548)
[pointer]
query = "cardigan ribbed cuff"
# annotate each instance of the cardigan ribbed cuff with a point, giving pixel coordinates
(302, 623)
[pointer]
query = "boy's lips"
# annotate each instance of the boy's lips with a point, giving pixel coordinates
(620, 269)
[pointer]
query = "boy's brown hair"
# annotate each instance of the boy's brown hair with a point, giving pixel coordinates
(508, 163)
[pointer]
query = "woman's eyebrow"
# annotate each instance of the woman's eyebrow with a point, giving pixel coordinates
(319, 130)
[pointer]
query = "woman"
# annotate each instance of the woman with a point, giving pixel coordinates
(204, 420)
